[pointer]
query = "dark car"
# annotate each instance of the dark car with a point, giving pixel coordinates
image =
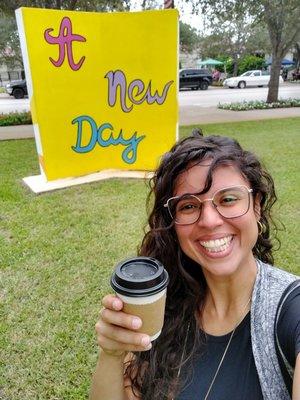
(18, 89)
(194, 79)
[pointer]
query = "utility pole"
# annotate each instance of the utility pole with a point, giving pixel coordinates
(168, 4)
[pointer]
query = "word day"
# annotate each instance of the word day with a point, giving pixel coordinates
(96, 134)
(133, 93)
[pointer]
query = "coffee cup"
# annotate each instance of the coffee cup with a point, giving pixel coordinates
(141, 283)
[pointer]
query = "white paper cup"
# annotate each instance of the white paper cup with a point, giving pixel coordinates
(141, 283)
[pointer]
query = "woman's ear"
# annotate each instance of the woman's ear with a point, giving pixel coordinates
(257, 207)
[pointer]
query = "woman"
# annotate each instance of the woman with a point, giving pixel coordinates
(210, 227)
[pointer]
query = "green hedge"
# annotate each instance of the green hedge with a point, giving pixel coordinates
(15, 118)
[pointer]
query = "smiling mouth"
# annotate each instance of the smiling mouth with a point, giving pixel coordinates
(218, 245)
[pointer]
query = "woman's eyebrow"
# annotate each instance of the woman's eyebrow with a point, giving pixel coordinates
(201, 192)
(189, 193)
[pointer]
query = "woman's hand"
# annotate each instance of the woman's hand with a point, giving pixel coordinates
(115, 329)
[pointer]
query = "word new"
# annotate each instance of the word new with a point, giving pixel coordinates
(135, 93)
(96, 135)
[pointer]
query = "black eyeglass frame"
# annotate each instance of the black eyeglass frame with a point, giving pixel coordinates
(166, 205)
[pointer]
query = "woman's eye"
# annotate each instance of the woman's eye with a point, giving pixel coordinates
(228, 200)
(187, 207)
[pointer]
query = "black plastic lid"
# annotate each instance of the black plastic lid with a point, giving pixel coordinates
(139, 277)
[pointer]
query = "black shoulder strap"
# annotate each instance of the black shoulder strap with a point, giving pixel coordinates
(286, 369)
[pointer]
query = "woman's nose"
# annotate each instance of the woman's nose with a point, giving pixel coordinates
(210, 217)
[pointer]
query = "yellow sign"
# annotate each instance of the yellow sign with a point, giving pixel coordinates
(102, 87)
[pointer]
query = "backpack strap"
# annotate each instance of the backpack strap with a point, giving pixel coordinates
(288, 371)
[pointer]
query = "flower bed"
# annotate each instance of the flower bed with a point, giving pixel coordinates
(259, 105)
(15, 118)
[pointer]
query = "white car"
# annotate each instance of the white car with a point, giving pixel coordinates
(250, 78)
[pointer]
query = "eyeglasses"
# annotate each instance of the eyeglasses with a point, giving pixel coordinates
(230, 202)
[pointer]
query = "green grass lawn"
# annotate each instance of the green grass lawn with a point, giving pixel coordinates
(57, 251)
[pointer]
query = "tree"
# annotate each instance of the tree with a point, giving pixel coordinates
(280, 17)
(9, 6)
(283, 20)
(223, 43)
(249, 62)
(10, 52)
(234, 35)
(150, 4)
(188, 37)
(297, 54)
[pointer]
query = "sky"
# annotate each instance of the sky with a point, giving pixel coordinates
(186, 16)
(185, 11)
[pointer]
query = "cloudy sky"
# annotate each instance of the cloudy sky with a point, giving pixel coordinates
(184, 9)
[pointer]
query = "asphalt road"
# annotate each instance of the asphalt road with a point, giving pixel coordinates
(189, 98)
(213, 96)
(9, 104)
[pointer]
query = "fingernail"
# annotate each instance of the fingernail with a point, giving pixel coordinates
(146, 341)
(136, 323)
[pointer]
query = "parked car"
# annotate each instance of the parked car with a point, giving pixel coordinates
(296, 75)
(250, 78)
(194, 79)
(18, 89)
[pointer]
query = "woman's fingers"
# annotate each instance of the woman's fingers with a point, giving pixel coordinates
(115, 348)
(120, 318)
(112, 314)
(114, 339)
(116, 330)
(112, 302)
(122, 335)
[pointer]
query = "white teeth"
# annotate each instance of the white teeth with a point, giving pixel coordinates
(217, 245)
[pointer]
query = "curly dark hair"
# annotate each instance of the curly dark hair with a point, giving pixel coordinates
(187, 287)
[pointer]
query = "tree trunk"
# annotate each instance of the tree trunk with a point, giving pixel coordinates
(274, 78)
(235, 65)
(297, 47)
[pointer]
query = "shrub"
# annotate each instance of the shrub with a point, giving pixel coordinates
(250, 62)
(15, 118)
(259, 105)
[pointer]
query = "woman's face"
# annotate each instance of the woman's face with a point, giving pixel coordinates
(220, 245)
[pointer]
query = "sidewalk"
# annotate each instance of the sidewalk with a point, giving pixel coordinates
(16, 132)
(208, 115)
(187, 116)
